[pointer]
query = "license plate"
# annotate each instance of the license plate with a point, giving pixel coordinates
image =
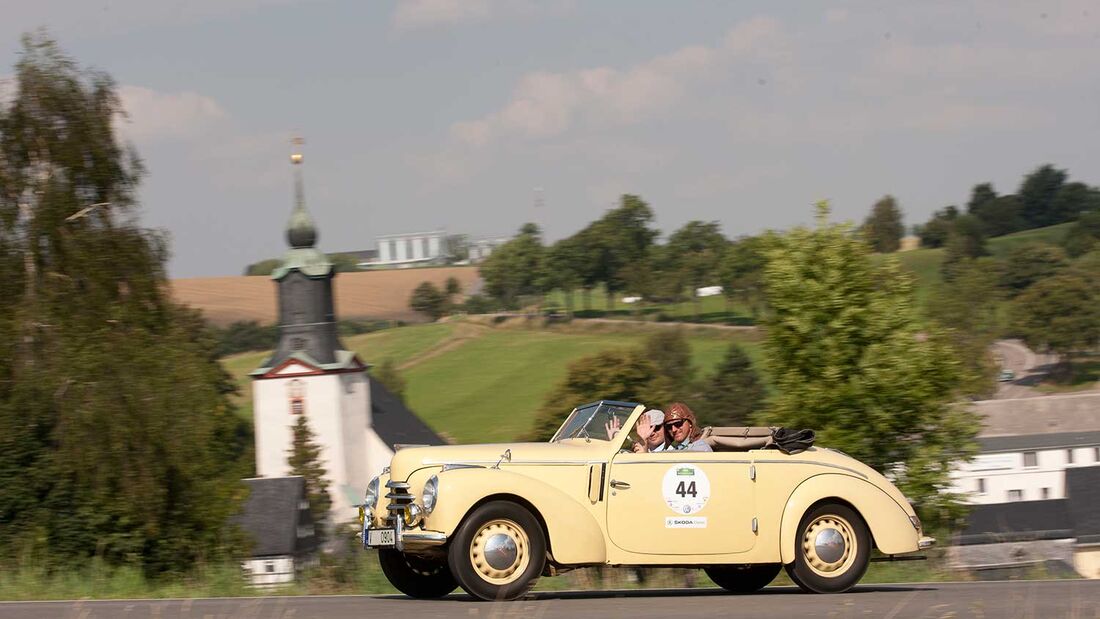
(381, 537)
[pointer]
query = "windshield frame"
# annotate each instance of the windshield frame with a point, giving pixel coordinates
(577, 428)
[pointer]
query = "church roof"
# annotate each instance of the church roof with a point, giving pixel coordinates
(394, 423)
(345, 360)
(274, 514)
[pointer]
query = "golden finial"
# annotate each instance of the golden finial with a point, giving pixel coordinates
(297, 142)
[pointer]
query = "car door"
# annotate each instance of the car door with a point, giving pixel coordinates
(681, 503)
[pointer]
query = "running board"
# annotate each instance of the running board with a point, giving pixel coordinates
(892, 558)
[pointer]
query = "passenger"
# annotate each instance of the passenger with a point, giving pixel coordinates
(683, 429)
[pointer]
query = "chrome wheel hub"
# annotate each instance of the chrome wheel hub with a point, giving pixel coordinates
(500, 551)
(829, 545)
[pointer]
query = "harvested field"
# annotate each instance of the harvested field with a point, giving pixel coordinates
(368, 294)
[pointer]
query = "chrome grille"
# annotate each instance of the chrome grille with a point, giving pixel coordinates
(399, 497)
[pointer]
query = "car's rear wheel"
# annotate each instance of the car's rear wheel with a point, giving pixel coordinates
(832, 549)
(744, 578)
(416, 577)
(498, 552)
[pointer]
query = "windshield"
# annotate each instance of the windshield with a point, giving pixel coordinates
(592, 421)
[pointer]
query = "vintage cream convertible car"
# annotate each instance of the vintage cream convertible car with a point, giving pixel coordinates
(493, 518)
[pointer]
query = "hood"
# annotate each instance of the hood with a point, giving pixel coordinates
(408, 460)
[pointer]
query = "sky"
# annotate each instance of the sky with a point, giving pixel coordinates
(454, 114)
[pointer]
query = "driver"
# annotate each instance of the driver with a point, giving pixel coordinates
(650, 429)
(682, 429)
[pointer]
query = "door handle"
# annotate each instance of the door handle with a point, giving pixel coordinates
(619, 485)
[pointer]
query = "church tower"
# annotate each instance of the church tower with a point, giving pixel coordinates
(311, 375)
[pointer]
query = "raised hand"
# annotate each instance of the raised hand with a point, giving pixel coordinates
(613, 426)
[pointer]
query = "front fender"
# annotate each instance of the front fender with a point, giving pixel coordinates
(890, 526)
(574, 536)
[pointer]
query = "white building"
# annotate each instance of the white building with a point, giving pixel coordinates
(1025, 468)
(1027, 445)
(412, 249)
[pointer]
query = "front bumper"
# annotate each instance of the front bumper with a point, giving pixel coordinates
(406, 540)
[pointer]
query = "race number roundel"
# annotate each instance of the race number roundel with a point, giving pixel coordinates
(686, 488)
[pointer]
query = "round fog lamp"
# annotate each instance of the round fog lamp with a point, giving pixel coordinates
(413, 515)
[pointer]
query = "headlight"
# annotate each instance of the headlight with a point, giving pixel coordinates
(371, 499)
(431, 488)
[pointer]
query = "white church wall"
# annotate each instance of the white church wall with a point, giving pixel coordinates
(354, 416)
(321, 398)
(379, 453)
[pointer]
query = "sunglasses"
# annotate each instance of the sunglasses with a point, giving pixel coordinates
(675, 424)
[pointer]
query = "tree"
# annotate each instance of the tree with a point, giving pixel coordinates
(263, 267)
(965, 241)
(1030, 263)
(967, 308)
(514, 269)
(612, 374)
(741, 271)
(1073, 200)
(304, 459)
(694, 252)
(618, 238)
(999, 215)
(344, 263)
(939, 226)
(670, 352)
(733, 392)
(428, 300)
(387, 374)
(452, 287)
(1084, 235)
(456, 248)
(1060, 314)
(883, 228)
(117, 437)
(1037, 195)
(849, 358)
(563, 268)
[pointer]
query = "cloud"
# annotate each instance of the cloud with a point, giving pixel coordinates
(419, 14)
(153, 115)
(545, 105)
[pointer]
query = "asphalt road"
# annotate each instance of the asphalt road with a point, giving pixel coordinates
(1030, 368)
(1052, 599)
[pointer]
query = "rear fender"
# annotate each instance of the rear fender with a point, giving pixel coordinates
(890, 526)
(573, 534)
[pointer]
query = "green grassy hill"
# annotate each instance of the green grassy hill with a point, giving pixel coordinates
(925, 263)
(476, 383)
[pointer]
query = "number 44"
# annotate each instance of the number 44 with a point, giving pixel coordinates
(685, 489)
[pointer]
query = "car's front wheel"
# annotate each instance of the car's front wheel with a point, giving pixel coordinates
(832, 549)
(416, 577)
(498, 552)
(744, 578)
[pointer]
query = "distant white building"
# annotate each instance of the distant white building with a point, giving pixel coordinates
(412, 249)
(1025, 468)
(1027, 445)
(480, 249)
